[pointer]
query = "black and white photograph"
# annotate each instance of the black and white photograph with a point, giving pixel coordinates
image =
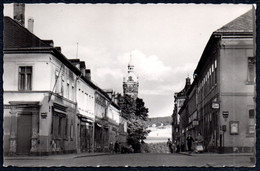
(129, 85)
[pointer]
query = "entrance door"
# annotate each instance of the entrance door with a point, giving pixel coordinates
(24, 133)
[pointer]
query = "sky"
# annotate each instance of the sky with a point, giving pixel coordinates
(166, 41)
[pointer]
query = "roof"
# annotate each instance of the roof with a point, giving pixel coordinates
(184, 90)
(243, 23)
(17, 39)
(17, 36)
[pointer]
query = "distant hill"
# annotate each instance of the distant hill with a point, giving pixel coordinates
(159, 120)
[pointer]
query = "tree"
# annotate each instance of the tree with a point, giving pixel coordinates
(141, 111)
(136, 114)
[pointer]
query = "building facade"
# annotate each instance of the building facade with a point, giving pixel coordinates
(179, 99)
(50, 103)
(220, 102)
(38, 114)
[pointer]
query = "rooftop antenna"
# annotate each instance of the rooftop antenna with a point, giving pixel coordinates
(77, 50)
(130, 61)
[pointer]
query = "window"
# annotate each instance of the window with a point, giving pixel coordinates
(71, 130)
(251, 70)
(68, 90)
(25, 78)
(66, 127)
(59, 126)
(251, 124)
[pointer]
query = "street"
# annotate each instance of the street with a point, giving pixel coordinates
(134, 160)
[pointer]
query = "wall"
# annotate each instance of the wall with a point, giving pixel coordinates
(236, 93)
(85, 99)
(39, 62)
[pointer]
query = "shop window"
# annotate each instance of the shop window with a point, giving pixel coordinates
(25, 78)
(251, 70)
(66, 128)
(59, 129)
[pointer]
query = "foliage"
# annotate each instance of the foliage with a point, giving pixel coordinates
(135, 112)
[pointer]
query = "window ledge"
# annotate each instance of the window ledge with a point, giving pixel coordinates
(248, 135)
(250, 83)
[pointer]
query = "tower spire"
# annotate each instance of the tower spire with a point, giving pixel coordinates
(130, 60)
(130, 82)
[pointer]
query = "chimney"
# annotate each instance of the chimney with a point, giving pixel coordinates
(19, 9)
(49, 42)
(30, 24)
(88, 74)
(187, 81)
(58, 48)
(82, 67)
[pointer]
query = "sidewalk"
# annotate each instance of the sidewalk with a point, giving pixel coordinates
(215, 154)
(55, 157)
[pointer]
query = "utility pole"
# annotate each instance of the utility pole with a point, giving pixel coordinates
(77, 50)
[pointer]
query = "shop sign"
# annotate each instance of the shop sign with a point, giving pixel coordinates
(215, 105)
(195, 122)
(234, 125)
(225, 114)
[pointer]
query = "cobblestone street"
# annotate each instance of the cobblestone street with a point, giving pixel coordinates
(137, 159)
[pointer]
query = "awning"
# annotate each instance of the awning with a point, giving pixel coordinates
(86, 120)
(60, 111)
(99, 125)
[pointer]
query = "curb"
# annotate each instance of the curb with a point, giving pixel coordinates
(71, 156)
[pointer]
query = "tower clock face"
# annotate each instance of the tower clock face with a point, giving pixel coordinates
(130, 88)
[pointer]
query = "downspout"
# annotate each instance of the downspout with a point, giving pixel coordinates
(76, 124)
(55, 83)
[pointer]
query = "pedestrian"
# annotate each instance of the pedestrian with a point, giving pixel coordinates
(199, 138)
(182, 147)
(189, 142)
(199, 143)
(111, 147)
(178, 148)
(116, 148)
(169, 144)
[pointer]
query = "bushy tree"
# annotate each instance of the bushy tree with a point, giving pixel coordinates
(136, 114)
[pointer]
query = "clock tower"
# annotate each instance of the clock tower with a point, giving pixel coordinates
(130, 82)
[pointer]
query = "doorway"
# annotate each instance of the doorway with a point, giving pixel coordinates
(24, 133)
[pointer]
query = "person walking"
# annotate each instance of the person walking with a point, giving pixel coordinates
(116, 148)
(199, 143)
(169, 144)
(189, 142)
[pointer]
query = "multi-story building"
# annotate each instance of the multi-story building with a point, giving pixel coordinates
(50, 103)
(130, 82)
(179, 99)
(39, 94)
(85, 98)
(224, 87)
